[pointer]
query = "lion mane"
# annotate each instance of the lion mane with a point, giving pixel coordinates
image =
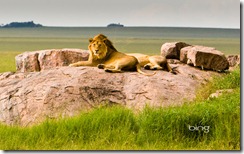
(105, 56)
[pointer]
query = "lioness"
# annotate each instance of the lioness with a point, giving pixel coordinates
(104, 55)
(153, 62)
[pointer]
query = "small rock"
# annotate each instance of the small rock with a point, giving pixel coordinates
(220, 92)
(234, 60)
(172, 50)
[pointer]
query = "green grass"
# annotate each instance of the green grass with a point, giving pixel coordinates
(118, 128)
(7, 61)
(230, 80)
(129, 45)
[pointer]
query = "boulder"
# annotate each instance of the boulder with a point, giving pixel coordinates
(184, 52)
(234, 60)
(27, 62)
(172, 50)
(31, 97)
(45, 59)
(204, 57)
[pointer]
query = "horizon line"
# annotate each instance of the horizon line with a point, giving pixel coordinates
(142, 27)
(208, 27)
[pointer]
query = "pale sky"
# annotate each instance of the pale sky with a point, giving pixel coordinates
(80, 13)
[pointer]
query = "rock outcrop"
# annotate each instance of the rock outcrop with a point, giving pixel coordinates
(45, 87)
(31, 97)
(195, 55)
(46, 59)
(204, 57)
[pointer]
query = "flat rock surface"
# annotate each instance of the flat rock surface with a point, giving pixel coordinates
(30, 97)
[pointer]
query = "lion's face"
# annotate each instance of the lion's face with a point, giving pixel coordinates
(98, 48)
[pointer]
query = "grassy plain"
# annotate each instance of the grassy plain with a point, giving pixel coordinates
(128, 45)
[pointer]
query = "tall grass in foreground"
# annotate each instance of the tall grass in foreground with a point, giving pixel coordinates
(118, 128)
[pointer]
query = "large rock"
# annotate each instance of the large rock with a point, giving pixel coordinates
(31, 97)
(46, 59)
(204, 57)
(171, 50)
(184, 52)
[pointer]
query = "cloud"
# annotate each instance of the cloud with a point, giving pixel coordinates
(191, 13)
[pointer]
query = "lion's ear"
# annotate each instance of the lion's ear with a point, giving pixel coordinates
(108, 43)
(105, 41)
(90, 40)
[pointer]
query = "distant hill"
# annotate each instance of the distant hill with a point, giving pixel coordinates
(21, 24)
(115, 25)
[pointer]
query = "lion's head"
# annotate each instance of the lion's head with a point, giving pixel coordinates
(99, 46)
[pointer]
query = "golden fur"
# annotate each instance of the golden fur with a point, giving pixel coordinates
(155, 62)
(104, 55)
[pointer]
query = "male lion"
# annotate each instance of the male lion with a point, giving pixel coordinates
(104, 55)
(155, 62)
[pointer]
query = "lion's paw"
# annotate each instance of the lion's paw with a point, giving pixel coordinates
(147, 67)
(100, 66)
(71, 65)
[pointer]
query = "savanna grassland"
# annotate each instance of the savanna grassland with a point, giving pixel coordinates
(118, 128)
(148, 40)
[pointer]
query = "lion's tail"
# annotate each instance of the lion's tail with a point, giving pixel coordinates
(138, 68)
